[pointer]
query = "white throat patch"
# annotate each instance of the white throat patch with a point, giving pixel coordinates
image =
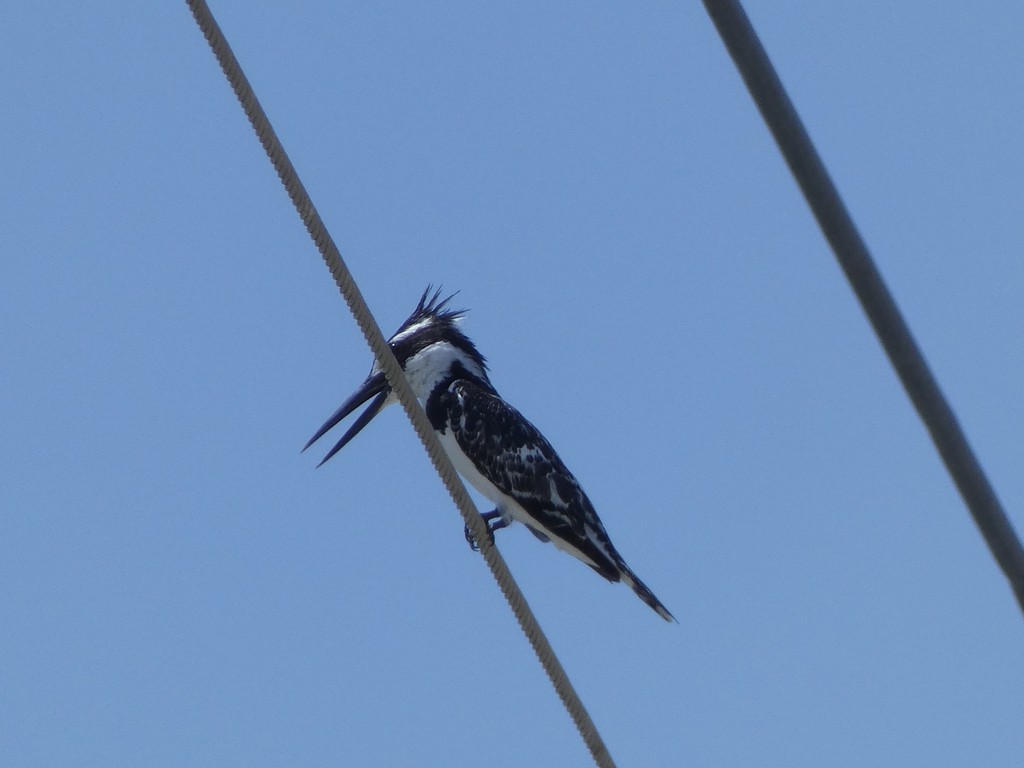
(431, 365)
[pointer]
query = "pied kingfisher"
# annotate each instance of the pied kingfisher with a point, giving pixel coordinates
(491, 445)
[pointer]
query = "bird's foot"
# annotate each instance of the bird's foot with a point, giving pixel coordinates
(494, 522)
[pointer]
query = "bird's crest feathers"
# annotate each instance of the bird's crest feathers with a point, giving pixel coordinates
(433, 322)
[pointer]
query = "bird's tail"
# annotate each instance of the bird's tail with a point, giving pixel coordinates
(632, 581)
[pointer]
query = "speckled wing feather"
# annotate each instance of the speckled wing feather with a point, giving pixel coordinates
(512, 454)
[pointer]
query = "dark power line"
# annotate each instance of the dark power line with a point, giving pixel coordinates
(783, 121)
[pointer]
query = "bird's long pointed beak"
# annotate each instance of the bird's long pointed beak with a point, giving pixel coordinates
(377, 385)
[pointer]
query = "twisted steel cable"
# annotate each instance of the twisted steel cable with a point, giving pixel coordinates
(396, 379)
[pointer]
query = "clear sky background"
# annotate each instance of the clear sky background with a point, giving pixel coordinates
(180, 587)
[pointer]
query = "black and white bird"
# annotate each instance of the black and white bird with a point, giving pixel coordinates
(490, 443)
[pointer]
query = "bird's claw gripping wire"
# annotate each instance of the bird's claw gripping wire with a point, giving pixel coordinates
(494, 522)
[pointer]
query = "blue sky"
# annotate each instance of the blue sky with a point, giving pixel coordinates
(179, 586)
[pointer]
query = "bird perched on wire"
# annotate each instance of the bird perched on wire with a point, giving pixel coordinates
(488, 441)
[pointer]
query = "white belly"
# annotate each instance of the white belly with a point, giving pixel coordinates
(470, 474)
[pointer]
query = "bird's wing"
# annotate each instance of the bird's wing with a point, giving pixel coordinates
(513, 455)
